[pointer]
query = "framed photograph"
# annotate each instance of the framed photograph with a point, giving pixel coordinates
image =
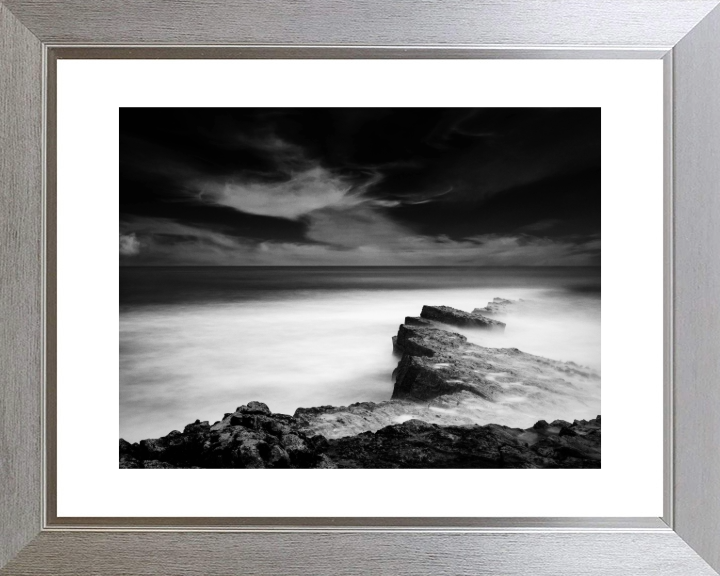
(354, 289)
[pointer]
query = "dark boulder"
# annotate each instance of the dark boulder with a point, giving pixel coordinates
(254, 408)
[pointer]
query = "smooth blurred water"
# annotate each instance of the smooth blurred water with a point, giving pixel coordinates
(198, 342)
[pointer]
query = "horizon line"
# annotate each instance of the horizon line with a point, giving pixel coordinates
(348, 266)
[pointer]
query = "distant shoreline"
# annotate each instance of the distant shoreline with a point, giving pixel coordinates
(359, 267)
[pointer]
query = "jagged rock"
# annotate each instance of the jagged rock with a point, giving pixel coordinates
(497, 306)
(126, 455)
(254, 408)
(411, 444)
(250, 437)
(567, 431)
(424, 341)
(278, 458)
(421, 379)
(418, 444)
(454, 317)
(196, 427)
(151, 449)
(437, 362)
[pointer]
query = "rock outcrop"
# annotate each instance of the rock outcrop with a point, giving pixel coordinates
(497, 306)
(437, 362)
(444, 379)
(455, 317)
(446, 391)
(418, 444)
(249, 438)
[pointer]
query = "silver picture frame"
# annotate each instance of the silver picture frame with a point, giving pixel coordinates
(685, 34)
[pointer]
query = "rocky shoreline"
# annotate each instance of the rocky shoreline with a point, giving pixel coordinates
(445, 387)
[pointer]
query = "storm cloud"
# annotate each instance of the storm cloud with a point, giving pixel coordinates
(475, 187)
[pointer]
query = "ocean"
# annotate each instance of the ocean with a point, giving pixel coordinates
(196, 342)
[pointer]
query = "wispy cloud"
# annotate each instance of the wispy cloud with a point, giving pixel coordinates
(129, 245)
(302, 192)
(342, 208)
(298, 184)
(363, 238)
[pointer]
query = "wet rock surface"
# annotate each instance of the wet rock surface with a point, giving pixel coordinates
(436, 362)
(455, 317)
(446, 391)
(444, 379)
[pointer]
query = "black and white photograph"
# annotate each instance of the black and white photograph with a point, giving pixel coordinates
(360, 288)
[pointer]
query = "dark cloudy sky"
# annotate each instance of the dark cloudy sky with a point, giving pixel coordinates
(336, 186)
